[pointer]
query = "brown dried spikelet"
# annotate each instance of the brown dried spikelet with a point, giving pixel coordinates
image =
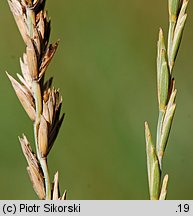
(51, 112)
(34, 169)
(56, 189)
(25, 97)
(32, 60)
(43, 137)
(20, 18)
(48, 57)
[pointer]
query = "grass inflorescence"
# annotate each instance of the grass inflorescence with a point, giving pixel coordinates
(40, 100)
(166, 98)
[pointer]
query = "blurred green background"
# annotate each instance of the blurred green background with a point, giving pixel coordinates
(105, 68)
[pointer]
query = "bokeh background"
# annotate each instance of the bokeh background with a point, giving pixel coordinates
(106, 71)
